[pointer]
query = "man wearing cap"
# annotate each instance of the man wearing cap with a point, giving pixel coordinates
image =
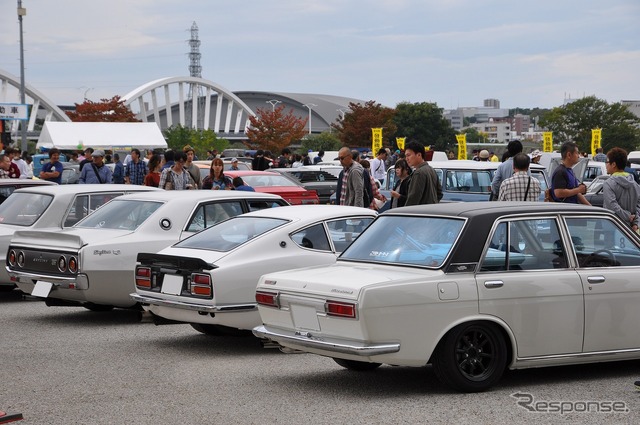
(96, 172)
(234, 164)
(484, 155)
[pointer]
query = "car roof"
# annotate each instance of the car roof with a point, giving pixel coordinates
(25, 182)
(86, 188)
(313, 212)
(470, 209)
(166, 195)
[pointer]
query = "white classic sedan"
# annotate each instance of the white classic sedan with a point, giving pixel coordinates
(53, 207)
(471, 288)
(209, 279)
(92, 263)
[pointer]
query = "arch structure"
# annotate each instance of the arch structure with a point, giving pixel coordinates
(10, 87)
(169, 101)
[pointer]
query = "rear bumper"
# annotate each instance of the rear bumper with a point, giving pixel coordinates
(297, 339)
(185, 305)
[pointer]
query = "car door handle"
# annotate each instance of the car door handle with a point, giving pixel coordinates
(595, 279)
(490, 284)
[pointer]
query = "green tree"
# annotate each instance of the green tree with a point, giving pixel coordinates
(274, 130)
(355, 129)
(424, 123)
(201, 141)
(574, 122)
(324, 141)
(474, 136)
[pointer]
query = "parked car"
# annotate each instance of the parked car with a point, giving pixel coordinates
(209, 279)
(323, 182)
(594, 193)
(269, 182)
(70, 173)
(470, 288)
(53, 207)
(8, 186)
(92, 264)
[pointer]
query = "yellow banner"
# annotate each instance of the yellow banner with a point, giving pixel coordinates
(596, 136)
(400, 142)
(376, 140)
(547, 144)
(462, 145)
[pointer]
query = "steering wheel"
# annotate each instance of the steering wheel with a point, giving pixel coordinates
(596, 259)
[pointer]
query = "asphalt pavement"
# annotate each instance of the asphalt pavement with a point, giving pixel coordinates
(68, 365)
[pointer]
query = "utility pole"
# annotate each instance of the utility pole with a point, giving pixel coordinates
(23, 125)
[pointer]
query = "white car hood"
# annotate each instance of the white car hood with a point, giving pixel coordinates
(342, 279)
(64, 239)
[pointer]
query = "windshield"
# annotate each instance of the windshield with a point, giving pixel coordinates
(230, 234)
(24, 209)
(420, 241)
(127, 215)
(268, 180)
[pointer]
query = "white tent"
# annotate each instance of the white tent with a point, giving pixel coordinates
(100, 135)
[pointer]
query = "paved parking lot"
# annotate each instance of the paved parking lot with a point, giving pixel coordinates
(71, 366)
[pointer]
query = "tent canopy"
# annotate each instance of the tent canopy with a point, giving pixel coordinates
(100, 135)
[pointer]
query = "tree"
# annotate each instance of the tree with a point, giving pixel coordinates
(574, 122)
(324, 141)
(273, 130)
(107, 110)
(200, 140)
(424, 123)
(355, 129)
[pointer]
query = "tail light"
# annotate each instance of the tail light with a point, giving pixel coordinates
(340, 309)
(269, 299)
(62, 264)
(11, 258)
(20, 260)
(143, 277)
(73, 265)
(201, 285)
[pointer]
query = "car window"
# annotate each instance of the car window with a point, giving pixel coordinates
(230, 234)
(468, 181)
(24, 209)
(268, 180)
(5, 191)
(533, 244)
(419, 241)
(313, 237)
(83, 205)
(127, 215)
(538, 174)
(256, 205)
(346, 230)
(600, 242)
(209, 214)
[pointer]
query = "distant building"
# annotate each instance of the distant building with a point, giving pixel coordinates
(633, 105)
(496, 131)
(455, 118)
(520, 123)
(492, 103)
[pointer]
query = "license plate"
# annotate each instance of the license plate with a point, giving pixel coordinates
(172, 284)
(304, 317)
(42, 289)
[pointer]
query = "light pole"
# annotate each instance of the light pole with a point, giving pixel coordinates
(86, 91)
(273, 104)
(309, 106)
(23, 128)
(342, 112)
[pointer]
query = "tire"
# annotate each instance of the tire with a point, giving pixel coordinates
(97, 307)
(356, 365)
(471, 357)
(218, 330)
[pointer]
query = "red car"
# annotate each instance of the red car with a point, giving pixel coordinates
(267, 182)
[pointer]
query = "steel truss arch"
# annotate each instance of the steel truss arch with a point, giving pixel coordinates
(32, 97)
(168, 101)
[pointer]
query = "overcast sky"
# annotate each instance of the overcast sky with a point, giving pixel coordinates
(451, 52)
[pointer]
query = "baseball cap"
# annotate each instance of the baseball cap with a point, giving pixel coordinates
(98, 152)
(234, 159)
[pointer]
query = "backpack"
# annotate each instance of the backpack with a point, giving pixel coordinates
(367, 193)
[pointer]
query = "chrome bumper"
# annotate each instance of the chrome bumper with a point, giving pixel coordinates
(143, 299)
(79, 281)
(307, 340)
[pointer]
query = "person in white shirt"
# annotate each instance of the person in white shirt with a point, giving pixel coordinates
(16, 158)
(377, 166)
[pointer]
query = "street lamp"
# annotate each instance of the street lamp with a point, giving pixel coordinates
(23, 127)
(86, 91)
(342, 112)
(309, 106)
(273, 104)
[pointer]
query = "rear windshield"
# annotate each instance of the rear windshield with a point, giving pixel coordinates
(24, 209)
(231, 234)
(419, 241)
(126, 215)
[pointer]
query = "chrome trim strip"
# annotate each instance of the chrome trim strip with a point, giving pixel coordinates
(306, 339)
(579, 355)
(48, 278)
(235, 308)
